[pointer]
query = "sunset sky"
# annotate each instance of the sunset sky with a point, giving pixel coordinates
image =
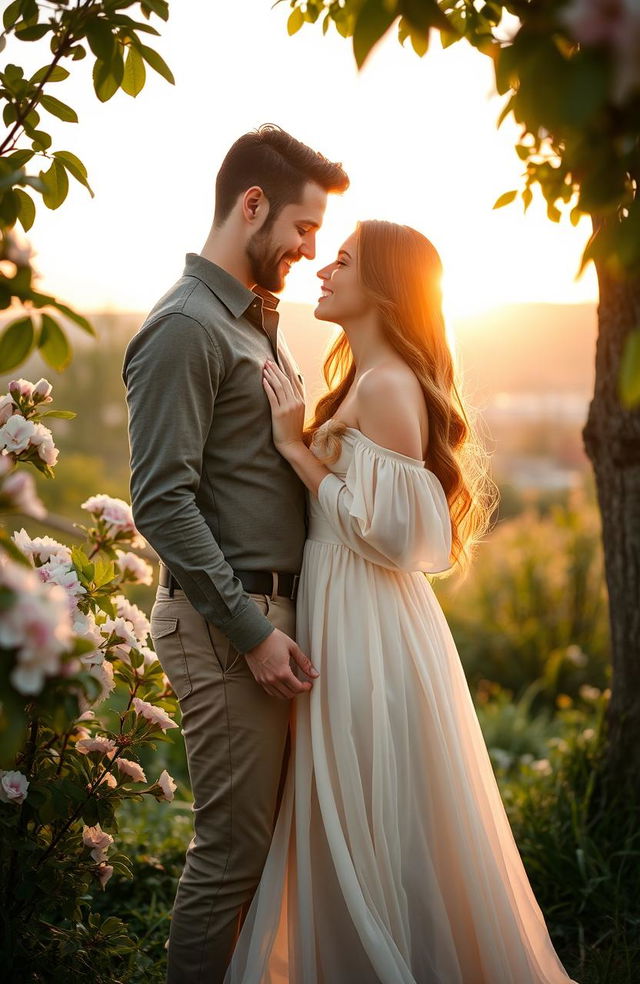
(418, 138)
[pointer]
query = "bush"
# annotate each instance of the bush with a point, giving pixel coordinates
(534, 606)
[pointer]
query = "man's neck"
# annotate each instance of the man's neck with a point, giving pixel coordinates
(219, 250)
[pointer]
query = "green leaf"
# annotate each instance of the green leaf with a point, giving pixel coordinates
(104, 572)
(40, 140)
(505, 199)
(54, 345)
(59, 109)
(159, 7)
(74, 166)
(419, 43)
(295, 21)
(134, 73)
(157, 63)
(20, 157)
(27, 210)
(9, 208)
(423, 14)
(11, 14)
(32, 32)
(16, 343)
(101, 40)
(56, 185)
(73, 316)
(56, 74)
(374, 20)
(575, 215)
(629, 379)
(9, 114)
(62, 414)
(553, 213)
(104, 82)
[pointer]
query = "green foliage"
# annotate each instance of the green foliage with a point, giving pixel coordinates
(535, 605)
(580, 843)
(71, 30)
(570, 81)
(76, 644)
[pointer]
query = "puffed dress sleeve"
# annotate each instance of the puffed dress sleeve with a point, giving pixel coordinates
(389, 509)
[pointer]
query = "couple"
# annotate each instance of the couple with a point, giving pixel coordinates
(372, 845)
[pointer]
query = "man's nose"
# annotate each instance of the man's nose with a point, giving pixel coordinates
(308, 248)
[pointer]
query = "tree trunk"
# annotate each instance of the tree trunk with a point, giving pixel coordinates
(612, 442)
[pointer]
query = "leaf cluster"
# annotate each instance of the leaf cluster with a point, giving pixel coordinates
(31, 171)
(580, 136)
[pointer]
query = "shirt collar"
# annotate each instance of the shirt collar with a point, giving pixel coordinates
(237, 298)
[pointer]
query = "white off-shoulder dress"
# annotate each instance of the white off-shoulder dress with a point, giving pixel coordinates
(392, 859)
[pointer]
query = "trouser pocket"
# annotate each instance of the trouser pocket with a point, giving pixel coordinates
(167, 642)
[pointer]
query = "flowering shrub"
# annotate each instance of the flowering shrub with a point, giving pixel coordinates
(81, 692)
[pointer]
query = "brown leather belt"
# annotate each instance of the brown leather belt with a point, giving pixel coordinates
(269, 583)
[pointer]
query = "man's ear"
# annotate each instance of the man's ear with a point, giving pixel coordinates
(255, 206)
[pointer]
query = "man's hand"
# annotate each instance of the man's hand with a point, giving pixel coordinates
(270, 663)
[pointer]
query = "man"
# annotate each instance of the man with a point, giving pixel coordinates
(226, 515)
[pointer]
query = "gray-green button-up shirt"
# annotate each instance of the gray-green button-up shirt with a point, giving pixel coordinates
(209, 490)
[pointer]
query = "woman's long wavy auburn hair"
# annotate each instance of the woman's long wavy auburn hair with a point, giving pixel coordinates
(400, 271)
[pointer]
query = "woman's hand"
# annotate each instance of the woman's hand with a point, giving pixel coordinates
(287, 408)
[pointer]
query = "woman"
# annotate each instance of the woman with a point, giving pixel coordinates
(392, 860)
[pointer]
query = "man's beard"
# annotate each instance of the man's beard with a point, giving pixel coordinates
(265, 260)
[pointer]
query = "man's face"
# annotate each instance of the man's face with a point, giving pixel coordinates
(292, 235)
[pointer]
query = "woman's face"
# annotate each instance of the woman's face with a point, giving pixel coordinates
(342, 298)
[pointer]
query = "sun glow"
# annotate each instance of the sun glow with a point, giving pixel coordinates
(418, 138)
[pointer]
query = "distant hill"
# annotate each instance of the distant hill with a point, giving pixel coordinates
(527, 348)
(533, 348)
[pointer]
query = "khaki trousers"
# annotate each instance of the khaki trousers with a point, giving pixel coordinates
(235, 736)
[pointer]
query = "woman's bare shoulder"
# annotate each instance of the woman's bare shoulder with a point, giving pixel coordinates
(390, 407)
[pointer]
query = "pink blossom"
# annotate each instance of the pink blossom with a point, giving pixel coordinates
(86, 626)
(13, 787)
(7, 407)
(109, 779)
(117, 514)
(41, 548)
(167, 785)
(98, 841)
(98, 744)
(42, 439)
(134, 569)
(41, 392)
(103, 873)
(55, 571)
(19, 490)
(21, 388)
(134, 616)
(36, 625)
(17, 433)
(121, 630)
(148, 655)
(155, 715)
(103, 673)
(131, 769)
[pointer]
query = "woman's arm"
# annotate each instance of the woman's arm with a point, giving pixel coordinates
(287, 414)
